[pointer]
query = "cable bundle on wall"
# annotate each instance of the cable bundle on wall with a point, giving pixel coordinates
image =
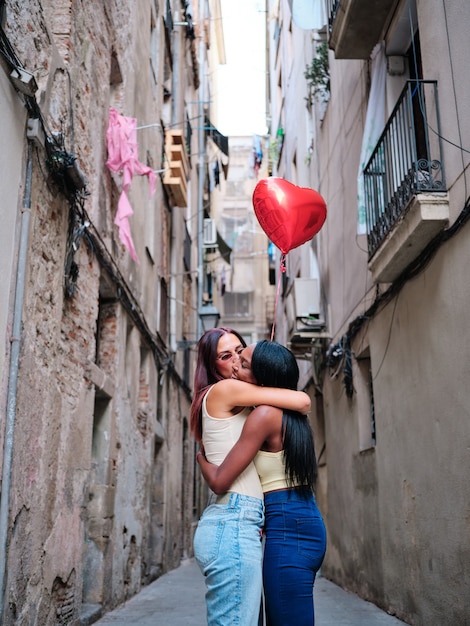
(339, 355)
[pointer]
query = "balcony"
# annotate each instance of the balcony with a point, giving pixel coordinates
(305, 316)
(177, 168)
(404, 183)
(355, 26)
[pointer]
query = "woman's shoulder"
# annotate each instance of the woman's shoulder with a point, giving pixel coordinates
(225, 385)
(265, 410)
(266, 414)
(220, 399)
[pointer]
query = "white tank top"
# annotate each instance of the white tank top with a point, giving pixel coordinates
(219, 435)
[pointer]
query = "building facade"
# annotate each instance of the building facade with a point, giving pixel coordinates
(104, 179)
(368, 106)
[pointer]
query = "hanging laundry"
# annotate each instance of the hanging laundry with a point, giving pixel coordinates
(221, 141)
(123, 154)
(222, 281)
(309, 14)
(216, 174)
(224, 160)
(257, 154)
(209, 285)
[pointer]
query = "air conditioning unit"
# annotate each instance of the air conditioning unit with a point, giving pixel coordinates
(209, 237)
(307, 304)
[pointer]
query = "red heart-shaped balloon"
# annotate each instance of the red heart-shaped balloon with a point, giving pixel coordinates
(289, 215)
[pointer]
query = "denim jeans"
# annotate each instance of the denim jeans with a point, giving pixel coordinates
(228, 550)
(295, 545)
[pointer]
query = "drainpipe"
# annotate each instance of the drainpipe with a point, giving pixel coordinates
(13, 373)
(175, 108)
(202, 155)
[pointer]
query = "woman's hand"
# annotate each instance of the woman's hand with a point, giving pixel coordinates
(209, 472)
(200, 453)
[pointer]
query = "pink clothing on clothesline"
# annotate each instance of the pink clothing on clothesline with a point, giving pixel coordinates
(123, 155)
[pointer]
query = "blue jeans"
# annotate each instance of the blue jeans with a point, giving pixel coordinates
(295, 545)
(228, 550)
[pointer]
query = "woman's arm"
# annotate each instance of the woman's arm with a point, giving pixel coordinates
(260, 424)
(230, 393)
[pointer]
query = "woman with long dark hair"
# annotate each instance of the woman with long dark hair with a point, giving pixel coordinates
(227, 541)
(280, 443)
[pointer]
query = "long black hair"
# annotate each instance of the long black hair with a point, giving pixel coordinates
(273, 365)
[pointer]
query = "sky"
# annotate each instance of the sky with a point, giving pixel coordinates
(241, 82)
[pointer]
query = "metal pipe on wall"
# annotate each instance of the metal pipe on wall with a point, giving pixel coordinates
(202, 155)
(175, 121)
(13, 372)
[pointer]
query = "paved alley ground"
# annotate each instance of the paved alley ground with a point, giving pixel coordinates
(177, 599)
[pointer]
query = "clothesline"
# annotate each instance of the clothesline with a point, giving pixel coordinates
(148, 126)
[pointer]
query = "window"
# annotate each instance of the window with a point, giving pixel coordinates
(365, 402)
(237, 304)
(163, 309)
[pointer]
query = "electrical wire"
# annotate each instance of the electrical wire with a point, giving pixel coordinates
(125, 295)
(81, 226)
(420, 98)
(388, 338)
(335, 352)
(455, 95)
(71, 122)
(7, 51)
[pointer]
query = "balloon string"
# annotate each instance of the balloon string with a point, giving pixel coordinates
(282, 270)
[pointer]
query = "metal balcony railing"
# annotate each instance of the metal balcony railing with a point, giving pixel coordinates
(406, 161)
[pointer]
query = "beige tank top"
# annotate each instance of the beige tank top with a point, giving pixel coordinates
(219, 435)
(271, 470)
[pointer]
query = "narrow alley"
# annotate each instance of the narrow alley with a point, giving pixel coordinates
(295, 171)
(177, 599)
